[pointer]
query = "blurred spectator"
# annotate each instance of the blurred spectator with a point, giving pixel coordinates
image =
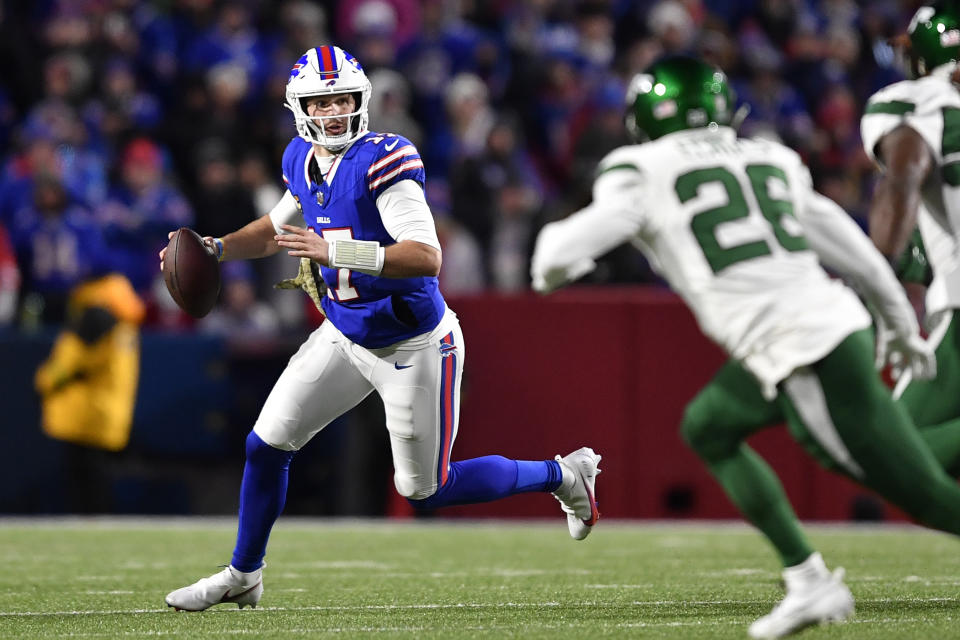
(141, 209)
(479, 204)
(464, 269)
(672, 24)
(390, 104)
(774, 104)
(517, 208)
(80, 163)
(470, 118)
(240, 317)
(220, 203)
(232, 39)
(9, 279)
(58, 245)
(121, 108)
(265, 195)
(89, 383)
(304, 24)
(398, 20)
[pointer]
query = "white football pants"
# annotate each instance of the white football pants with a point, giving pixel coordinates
(418, 379)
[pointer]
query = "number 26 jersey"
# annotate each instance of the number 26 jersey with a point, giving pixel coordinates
(720, 218)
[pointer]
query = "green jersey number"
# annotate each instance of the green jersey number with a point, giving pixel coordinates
(704, 224)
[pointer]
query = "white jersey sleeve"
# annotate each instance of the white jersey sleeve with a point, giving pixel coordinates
(843, 247)
(566, 249)
(922, 105)
(286, 211)
(406, 214)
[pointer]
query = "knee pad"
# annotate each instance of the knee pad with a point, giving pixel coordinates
(411, 487)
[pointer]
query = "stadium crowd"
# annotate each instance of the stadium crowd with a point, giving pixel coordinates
(123, 119)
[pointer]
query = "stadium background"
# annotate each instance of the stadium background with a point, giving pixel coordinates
(135, 117)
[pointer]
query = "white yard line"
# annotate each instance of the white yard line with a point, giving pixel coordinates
(459, 605)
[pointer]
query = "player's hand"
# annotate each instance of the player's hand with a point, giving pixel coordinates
(207, 241)
(163, 252)
(911, 353)
(304, 243)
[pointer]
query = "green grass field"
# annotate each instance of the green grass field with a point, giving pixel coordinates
(107, 579)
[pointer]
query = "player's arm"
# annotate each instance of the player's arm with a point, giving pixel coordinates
(896, 199)
(406, 217)
(254, 240)
(567, 249)
(843, 247)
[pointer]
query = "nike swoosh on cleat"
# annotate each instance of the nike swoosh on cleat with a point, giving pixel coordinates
(402, 366)
(594, 513)
(232, 598)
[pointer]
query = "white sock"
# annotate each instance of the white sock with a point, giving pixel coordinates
(811, 570)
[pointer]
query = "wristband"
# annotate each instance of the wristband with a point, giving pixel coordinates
(365, 256)
(218, 244)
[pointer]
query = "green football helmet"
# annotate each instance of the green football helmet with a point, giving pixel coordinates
(934, 34)
(677, 93)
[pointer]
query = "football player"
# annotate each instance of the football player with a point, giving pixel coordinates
(355, 205)
(736, 228)
(912, 130)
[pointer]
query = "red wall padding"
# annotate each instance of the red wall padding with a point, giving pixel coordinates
(610, 368)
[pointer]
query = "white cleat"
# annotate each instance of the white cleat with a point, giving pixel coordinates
(821, 600)
(576, 493)
(227, 586)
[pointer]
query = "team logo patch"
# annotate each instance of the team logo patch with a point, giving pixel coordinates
(295, 70)
(447, 349)
(665, 109)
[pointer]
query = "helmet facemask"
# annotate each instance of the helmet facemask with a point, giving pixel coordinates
(328, 71)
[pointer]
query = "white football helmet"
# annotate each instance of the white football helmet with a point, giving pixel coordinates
(328, 70)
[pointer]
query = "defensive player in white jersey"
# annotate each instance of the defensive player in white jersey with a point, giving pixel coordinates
(912, 130)
(736, 228)
(355, 206)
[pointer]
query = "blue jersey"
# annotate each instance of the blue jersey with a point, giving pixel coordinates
(372, 311)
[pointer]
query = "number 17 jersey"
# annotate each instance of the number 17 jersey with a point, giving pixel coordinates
(721, 218)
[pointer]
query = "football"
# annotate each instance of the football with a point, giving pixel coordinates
(191, 272)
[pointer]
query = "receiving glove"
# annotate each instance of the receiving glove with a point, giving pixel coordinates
(904, 353)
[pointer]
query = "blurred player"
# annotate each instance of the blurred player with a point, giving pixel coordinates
(355, 205)
(736, 228)
(912, 130)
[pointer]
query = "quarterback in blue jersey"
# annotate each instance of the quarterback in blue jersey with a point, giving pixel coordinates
(355, 206)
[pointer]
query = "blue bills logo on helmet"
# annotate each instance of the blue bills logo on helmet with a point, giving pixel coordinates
(295, 70)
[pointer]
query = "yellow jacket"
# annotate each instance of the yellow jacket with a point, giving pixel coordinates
(89, 387)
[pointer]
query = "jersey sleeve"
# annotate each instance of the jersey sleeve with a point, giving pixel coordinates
(917, 104)
(394, 159)
(566, 250)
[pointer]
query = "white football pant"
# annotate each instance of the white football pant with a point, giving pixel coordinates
(418, 379)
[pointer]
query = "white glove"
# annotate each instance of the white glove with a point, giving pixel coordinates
(904, 353)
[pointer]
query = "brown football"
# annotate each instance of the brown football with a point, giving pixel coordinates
(191, 272)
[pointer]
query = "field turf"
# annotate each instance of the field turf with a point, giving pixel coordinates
(370, 579)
